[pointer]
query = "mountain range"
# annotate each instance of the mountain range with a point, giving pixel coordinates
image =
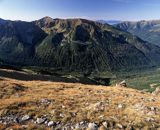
(146, 30)
(110, 22)
(74, 45)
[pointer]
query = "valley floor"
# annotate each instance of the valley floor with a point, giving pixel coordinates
(51, 105)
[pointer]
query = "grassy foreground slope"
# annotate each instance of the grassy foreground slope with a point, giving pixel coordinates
(75, 106)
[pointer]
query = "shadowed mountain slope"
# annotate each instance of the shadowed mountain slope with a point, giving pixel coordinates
(74, 44)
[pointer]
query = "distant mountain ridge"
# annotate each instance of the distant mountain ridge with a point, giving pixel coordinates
(2, 21)
(74, 45)
(110, 22)
(146, 30)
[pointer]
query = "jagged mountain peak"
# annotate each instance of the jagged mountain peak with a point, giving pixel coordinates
(46, 18)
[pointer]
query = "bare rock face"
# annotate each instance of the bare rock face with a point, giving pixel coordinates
(157, 91)
(122, 84)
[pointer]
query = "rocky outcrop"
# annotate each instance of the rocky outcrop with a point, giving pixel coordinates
(157, 91)
(122, 84)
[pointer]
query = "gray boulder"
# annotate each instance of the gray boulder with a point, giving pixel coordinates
(25, 118)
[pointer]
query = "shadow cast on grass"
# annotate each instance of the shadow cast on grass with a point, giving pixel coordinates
(30, 77)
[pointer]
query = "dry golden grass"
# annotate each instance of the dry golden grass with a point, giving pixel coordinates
(76, 102)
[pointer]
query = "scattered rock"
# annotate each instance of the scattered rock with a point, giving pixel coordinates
(81, 123)
(73, 114)
(119, 126)
(77, 126)
(122, 84)
(5, 123)
(102, 127)
(16, 120)
(45, 101)
(46, 122)
(148, 119)
(152, 99)
(105, 124)
(25, 118)
(120, 106)
(153, 85)
(53, 111)
(139, 107)
(92, 126)
(63, 106)
(25, 126)
(51, 123)
(40, 120)
(157, 91)
(151, 113)
(61, 115)
(144, 91)
(97, 106)
(152, 108)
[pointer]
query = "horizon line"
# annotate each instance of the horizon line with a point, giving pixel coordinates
(92, 19)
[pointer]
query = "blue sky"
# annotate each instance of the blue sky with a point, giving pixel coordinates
(91, 9)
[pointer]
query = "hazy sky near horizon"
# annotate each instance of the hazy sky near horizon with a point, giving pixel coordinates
(91, 9)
